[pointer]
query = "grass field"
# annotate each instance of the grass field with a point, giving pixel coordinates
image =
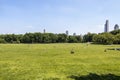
(55, 62)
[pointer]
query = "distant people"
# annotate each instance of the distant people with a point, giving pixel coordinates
(88, 43)
(105, 50)
(72, 51)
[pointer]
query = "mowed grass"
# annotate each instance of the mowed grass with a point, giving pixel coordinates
(55, 62)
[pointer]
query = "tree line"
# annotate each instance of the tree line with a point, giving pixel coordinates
(112, 37)
(39, 38)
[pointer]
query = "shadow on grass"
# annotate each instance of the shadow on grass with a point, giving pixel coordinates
(93, 76)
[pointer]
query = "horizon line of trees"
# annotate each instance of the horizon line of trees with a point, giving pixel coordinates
(39, 38)
(107, 38)
(112, 37)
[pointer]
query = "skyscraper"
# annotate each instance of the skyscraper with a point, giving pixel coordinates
(106, 26)
(74, 34)
(116, 27)
(67, 33)
(44, 31)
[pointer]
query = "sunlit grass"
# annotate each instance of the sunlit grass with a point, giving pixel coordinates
(55, 62)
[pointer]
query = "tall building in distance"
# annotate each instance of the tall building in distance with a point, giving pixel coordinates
(74, 34)
(44, 31)
(106, 26)
(67, 33)
(116, 27)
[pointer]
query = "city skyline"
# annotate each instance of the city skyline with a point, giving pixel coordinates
(57, 16)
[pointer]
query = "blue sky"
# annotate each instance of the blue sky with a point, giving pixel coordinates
(57, 16)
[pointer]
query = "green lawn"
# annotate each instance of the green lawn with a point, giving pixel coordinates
(55, 62)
